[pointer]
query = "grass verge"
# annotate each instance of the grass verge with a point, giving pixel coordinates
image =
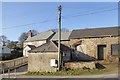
(68, 73)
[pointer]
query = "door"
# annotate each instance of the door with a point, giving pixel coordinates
(101, 52)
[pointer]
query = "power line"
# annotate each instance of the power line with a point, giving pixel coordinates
(45, 21)
(94, 9)
(78, 7)
(63, 17)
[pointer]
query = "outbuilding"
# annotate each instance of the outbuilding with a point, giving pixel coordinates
(45, 57)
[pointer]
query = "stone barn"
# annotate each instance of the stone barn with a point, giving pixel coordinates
(45, 57)
(95, 44)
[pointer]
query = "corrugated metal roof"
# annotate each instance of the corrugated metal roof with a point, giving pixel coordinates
(49, 47)
(41, 36)
(64, 36)
(95, 32)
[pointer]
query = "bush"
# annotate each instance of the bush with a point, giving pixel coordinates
(13, 55)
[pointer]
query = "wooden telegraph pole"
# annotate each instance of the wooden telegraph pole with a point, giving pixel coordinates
(59, 36)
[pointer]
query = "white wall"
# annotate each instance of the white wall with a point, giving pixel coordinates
(5, 50)
(25, 51)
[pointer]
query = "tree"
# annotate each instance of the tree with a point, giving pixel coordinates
(24, 36)
(34, 32)
(3, 40)
(12, 45)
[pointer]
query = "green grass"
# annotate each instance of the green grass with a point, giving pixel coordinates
(68, 73)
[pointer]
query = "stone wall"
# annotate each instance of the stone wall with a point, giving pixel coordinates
(92, 46)
(80, 65)
(40, 62)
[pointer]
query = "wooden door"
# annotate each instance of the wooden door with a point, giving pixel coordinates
(101, 52)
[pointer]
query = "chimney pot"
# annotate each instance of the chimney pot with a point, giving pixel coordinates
(30, 33)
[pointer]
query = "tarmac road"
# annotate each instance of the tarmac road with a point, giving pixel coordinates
(82, 77)
(23, 70)
(19, 76)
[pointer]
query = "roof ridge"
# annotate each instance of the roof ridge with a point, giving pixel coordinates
(96, 28)
(64, 31)
(46, 31)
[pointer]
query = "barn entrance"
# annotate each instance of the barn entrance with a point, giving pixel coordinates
(101, 52)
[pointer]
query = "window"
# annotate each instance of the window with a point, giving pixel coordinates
(115, 49)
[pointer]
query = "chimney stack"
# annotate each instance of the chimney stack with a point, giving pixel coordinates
(30, 33)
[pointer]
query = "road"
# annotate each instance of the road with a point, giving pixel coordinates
(23, 70)
(19, 75)
(82, 77)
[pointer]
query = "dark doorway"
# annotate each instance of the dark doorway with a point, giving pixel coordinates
(101, 52)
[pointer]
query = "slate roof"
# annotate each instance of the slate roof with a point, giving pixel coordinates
(64, 36)
(95, 32)
(49, 47)
(41, 36)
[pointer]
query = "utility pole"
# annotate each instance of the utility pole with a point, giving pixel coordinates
(59, 36)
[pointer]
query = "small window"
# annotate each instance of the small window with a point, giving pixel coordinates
(115, 49)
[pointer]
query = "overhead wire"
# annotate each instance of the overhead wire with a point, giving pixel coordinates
(93, 9)
(63, 17)
(45, 21)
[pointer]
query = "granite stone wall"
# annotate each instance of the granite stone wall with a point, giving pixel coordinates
(80, 65)
(92, 46)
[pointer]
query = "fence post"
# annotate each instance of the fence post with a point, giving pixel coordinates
(14, 63)
(3, 72)
(22, 61)
(8, 72)
(2, 67)
(15, 72)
